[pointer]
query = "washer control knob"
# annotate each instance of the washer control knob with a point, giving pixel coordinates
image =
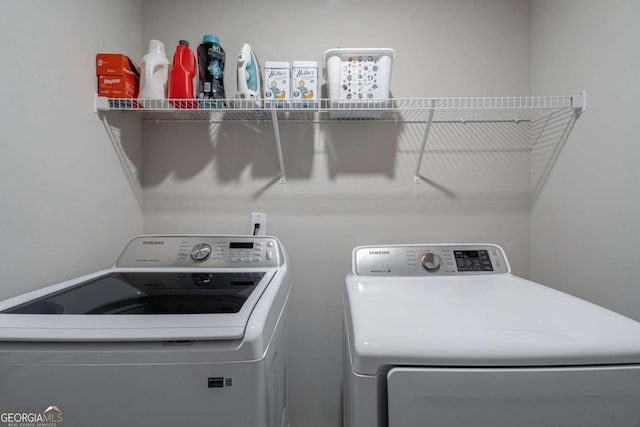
(431, 262)
(201, 252)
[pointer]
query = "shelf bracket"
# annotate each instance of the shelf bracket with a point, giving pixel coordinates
(580, 103)
(276, 131)
(432, 110)
(100, 104)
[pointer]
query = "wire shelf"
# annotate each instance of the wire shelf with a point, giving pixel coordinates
(538, 110)
(400, 110)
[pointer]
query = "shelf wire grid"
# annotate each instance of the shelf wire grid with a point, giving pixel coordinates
(398, 110)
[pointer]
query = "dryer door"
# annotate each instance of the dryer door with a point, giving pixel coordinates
(524, 397)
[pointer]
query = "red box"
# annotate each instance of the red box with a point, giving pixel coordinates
(118, 76)
(115, 64)
(118, 86)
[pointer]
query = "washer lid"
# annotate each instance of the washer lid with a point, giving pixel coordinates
(138, 305)
(491, 320)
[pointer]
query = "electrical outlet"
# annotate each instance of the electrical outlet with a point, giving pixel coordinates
(258, 219)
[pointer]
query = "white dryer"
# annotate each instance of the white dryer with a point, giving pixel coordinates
(445, 335)
(184, 330)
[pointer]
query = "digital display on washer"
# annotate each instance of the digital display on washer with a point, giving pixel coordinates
(149, 293)
(241, 245)
(472, 260)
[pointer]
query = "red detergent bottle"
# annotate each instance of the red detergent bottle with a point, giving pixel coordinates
(181, 76)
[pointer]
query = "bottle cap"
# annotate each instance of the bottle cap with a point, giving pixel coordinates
(184, 42)
(156, 46)
(210, 38)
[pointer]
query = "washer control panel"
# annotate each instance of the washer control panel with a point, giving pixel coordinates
(202, 251)
(429, 260)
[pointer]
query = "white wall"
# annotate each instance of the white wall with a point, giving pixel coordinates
(66, 207)
(585, 227)
(348, 184)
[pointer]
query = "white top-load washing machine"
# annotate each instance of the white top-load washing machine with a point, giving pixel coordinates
(445, 335)
(183, 331)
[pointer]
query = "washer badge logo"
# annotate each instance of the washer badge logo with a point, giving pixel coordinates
(32, 416)
(378, 252)
(153, 242)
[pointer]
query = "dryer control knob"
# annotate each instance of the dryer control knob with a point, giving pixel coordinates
(431, 262)
(201, 252)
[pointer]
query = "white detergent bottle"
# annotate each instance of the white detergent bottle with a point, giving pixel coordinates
(154, 72)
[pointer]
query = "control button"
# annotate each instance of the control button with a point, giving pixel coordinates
(270, 244)
(269, 255)
(201, 252)
(257, 259)
(234, 260)
(247, 259)
(431, 262)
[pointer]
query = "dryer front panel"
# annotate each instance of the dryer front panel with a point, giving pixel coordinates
(531, 397)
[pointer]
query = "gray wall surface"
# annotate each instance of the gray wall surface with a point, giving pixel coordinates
(66, 206)
(585, 226)
(347, 184)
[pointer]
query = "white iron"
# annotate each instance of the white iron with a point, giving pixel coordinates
(249, 74)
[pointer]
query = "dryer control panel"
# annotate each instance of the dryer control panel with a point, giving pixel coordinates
(201, 252)
(429, 260)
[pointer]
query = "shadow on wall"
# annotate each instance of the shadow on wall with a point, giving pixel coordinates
(186, 149)
(504, 158)
(548, 135)
(181, 149)
(124, 133)
(239, 146)
(362, 148)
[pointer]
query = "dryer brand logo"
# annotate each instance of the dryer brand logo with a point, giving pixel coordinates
(379, 252)
(32, 416)
(153, 242)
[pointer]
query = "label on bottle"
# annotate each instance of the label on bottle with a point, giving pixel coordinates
(211, 60)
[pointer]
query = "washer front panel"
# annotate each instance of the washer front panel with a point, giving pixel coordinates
(429, 260)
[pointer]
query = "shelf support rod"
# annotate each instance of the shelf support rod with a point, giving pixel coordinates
(276, 131)
(432, 110)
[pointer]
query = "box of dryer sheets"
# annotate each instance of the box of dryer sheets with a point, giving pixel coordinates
(118, 86)
(118, 76)
(115, 64)
(304, 83)
(277, 78)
